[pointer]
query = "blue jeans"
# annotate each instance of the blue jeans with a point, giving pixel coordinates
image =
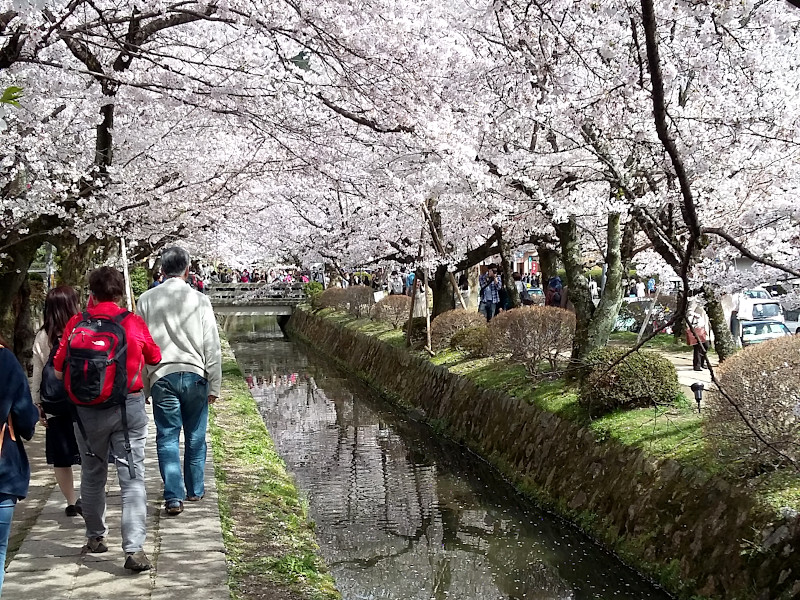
(181, 400)
(487, 309)
(7, 504)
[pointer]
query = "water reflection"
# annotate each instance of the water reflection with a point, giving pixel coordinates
(403, 515)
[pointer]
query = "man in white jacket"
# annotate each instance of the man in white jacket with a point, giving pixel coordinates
(187, 379)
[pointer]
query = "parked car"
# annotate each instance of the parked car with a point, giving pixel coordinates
(755, 332)
(534, 291)
(536, 294)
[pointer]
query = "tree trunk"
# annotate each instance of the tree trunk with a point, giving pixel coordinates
(23, 325)
(605, 314)
(723, 338)
(443, 299)
(13, 275)
(548, 263)
(75, 259)
(577, 288)
(593, 325)
(507, 269)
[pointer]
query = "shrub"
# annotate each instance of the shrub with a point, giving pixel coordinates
(641, 379)
(334, 297)
(140, 281)
(764, 382)
(394, 309)
(313, 290)
(533, 334)
(420, 330)
(361, 300)
(472, 340)
(446, 324)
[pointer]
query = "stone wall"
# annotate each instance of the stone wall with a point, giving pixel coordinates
(696, 533)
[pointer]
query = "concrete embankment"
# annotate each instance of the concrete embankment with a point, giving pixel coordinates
(696, 533)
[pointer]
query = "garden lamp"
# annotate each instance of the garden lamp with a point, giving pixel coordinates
(697, 389)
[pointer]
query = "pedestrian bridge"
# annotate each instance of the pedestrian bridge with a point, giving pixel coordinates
(254, 299)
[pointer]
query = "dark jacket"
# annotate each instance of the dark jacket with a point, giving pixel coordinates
(15, 401)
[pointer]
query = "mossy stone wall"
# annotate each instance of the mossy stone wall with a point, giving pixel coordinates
(696, 533)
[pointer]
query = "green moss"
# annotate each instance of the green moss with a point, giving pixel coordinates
(778, 489)
(268, 536)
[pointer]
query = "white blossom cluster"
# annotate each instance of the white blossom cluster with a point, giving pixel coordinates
(317, 130)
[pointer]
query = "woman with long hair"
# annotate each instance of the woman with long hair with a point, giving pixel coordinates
(61, 449)
(18, 418)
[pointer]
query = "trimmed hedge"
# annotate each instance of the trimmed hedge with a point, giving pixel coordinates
(533, 335)
(472, 340)
(394, 309)
(640, 379)
(419, 334)
(764, 382)
(334, 297)
(448, 323)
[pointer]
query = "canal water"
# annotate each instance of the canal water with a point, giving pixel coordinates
(402, 514)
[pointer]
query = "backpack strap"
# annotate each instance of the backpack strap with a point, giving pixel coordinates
(127, 445)
(121, 317)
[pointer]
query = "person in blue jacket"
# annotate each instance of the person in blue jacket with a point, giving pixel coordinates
(19, 417)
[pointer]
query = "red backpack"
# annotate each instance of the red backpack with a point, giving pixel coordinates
(95, 372)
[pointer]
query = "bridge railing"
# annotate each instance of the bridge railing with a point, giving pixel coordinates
(255, 293)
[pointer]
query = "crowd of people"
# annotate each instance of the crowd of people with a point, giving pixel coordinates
(93, 370)
(225, 275)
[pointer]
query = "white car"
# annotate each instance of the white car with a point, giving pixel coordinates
(755, 332)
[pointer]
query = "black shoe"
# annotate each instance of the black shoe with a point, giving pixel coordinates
(698, 368)
(137, 562)
(71, 511)
(79, 506)
(96, 545)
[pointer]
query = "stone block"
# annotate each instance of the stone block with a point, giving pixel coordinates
(201, 569)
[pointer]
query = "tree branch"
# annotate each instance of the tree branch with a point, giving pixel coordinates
(362, 120)
(747, 253)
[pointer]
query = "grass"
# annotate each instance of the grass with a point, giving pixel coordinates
(662, 342)
(778, 489)
(271, 548)
(378, 329)
(666, 432)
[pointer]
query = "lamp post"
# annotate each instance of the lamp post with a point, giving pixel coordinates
(697, 389)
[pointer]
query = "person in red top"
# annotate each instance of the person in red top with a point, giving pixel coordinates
(104, 429)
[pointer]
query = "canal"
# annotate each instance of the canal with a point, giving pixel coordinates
(401, 513)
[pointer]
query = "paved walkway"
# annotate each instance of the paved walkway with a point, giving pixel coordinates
(187, 551)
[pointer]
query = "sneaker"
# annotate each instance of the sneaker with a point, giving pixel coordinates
(174, 507)
(194, 498)
(137, 561)
(96, 545)
(71, 511)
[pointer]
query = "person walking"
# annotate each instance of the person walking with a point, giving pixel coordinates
(49, 395)
(117, 430)
(19, 417)
(186, 381)
(697, 332)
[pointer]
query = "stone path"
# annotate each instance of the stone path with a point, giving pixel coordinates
(186, 550)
